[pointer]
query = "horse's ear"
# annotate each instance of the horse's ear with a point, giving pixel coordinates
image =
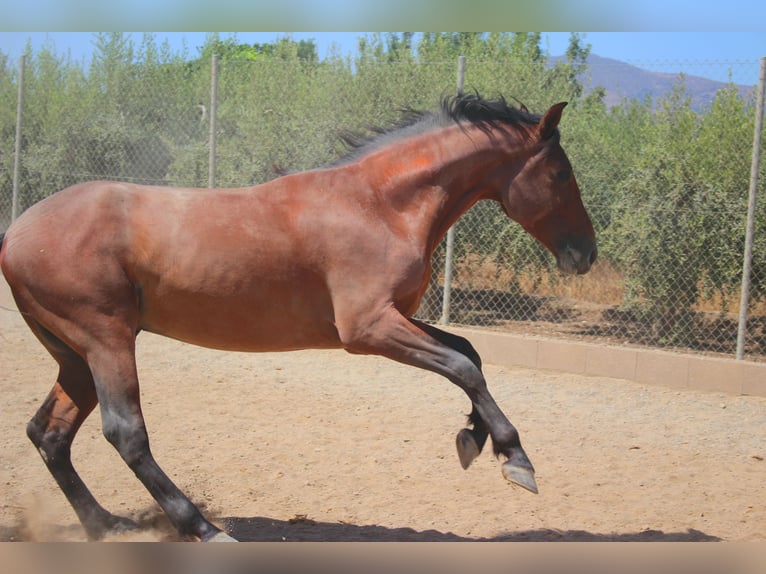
(550, 121)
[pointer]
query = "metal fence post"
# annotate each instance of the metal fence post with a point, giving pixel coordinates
(17, 148)
(446, 300)
(213, 115)
(748, 256)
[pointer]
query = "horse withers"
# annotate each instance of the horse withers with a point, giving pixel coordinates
(337, 257)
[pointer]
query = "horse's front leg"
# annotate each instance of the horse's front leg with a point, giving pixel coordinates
(470, 441)
(413, 343)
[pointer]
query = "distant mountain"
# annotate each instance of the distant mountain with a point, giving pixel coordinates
(623, 81)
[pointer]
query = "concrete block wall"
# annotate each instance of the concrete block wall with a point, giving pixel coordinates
(670, 369)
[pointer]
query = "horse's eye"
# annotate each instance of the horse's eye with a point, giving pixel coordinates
(563, 175)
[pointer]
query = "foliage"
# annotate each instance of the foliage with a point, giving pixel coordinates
(678, 214)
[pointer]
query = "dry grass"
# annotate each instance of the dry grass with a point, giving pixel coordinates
(603, 285)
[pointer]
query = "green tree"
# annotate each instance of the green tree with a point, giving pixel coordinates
(285, 48)
(678, 224)
(53, 98)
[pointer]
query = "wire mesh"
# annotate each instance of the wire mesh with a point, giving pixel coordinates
(665, 181)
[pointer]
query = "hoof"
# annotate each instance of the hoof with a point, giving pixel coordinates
(521, 476)
(221, 537)
(110, 524)
(467, 449)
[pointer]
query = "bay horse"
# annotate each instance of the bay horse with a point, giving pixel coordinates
(335, 257)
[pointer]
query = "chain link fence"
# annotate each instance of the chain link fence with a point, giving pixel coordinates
(665, 180)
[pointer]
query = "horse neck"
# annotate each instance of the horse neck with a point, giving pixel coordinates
(434, 178)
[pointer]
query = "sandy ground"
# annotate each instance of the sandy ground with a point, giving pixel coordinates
(331, 447)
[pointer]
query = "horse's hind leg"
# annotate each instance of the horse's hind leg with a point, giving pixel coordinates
(54, 427)
(470, 441)
(116, 382)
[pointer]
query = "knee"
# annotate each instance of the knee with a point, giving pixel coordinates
(466, 374)
(128, 438)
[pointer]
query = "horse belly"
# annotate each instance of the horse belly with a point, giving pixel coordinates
(274, 317)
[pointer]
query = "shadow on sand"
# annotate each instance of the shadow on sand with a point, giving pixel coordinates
(260, 529)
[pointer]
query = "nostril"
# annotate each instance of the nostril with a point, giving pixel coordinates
(593, 255)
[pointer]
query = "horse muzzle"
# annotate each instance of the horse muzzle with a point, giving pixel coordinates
(576, 257)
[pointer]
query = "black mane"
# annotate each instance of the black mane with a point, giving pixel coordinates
(465, 108)
(475, 109)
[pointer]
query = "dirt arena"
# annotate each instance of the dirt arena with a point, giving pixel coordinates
(325, 446)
